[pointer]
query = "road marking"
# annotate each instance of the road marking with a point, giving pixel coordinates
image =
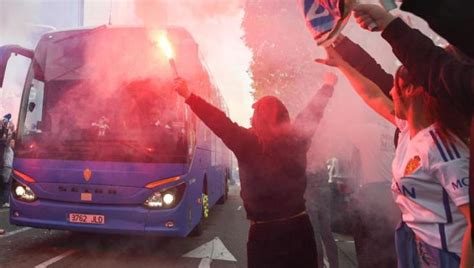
(239, 208)
(14, 232)
(212, 250)
(55, 259)
(205, 263)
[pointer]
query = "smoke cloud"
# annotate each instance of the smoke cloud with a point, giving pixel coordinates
(23, 22)
(216, 27)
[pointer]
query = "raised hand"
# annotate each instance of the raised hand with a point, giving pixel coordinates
(181, 87)
(372, 17)
(333, 58)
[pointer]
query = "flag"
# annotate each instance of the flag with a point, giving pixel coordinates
(326, 18)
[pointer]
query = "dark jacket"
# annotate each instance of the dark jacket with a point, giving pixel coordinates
(360, 60)
(439, 72)
(442, 75)
(273, 179)
(452, 19)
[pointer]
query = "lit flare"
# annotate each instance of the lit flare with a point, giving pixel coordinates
(166, 47)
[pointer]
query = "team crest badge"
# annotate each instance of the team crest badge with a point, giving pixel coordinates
(87, 173)
(412, 165)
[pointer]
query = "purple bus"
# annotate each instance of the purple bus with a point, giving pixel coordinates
(103, 142)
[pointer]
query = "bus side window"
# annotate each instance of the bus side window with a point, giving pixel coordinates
(34, 115)
(191, 133)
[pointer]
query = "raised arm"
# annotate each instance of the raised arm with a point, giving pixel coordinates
(443, 75)
(308, 119)
(230, 133)
(440, 73)
(360, 60)
(366, 89)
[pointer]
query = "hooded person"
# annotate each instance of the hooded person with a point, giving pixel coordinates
(272, 163)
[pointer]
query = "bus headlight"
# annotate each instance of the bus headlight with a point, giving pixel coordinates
(166, 198)
(154, 201)
(23, 192)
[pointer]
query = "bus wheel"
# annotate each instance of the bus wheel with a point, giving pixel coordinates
(198, 229)
(226, 192)
(205, 205)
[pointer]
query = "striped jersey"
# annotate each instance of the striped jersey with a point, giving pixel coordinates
(430, 181)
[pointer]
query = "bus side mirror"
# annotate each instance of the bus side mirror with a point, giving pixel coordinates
(31, 106)
(5, 53)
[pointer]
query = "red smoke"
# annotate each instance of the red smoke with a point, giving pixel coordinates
(158, 12)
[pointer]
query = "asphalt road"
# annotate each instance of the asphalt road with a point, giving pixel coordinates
(225, 233)
(223, 239)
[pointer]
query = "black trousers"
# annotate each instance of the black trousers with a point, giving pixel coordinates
(287, 243)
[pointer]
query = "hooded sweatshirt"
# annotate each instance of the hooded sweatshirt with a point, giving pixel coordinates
(273, 179)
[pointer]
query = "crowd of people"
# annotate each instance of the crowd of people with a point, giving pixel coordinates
(429, 101)
(7, 144)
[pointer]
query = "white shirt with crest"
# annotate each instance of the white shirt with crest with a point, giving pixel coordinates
(430, 182)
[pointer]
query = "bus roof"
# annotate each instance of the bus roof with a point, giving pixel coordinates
(181, 32)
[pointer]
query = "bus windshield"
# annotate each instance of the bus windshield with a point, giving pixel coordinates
(106, 95)
(140, 121)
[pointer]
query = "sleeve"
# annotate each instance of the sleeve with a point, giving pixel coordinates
(308, 119)
(454, 177)
(441, 74)
(450, 166)
(360, 60)
(231, 133)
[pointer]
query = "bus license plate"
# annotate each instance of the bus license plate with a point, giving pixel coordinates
(86, 218)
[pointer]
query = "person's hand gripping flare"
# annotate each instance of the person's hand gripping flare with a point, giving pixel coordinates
(181, 87)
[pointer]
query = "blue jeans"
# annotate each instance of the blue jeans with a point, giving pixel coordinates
(415, 253)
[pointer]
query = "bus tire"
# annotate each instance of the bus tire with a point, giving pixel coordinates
(225, 196)
(198, 229)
